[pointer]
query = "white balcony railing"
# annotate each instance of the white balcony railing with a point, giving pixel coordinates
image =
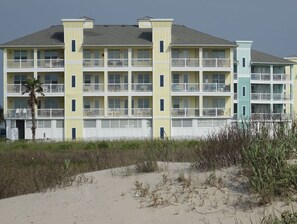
(50, 63)
(142, 112)
(281, 77)
(118, 87)
(260, 76)
(185, 87)
(185, 62)
(53, 88)
(141, 62)
(16, 88)
(216, 87)
(93, 63)
(48, 113)
(117, 62)
(260, 96)
(281, 96)
(214, 112)
(141, 87)
(117, 112)
(185, 112)
(270, 116)
(93, 87)
(93, 112)
(22, 113)
(216, 62)
(20, 63)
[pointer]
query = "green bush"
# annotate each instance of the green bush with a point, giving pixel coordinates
(286, 218)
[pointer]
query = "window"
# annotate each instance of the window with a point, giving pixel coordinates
(243, 62)
(89, 123)
(143, 78)
(44, 124)
(19, 79)
(73, 45)
(175, 78)
(20, 55)
(87, 103)
(59, 124)
(161, 80)
(73, 105)
(218, 78)
(161, 104)
(143, 103)
(182, 123)
(243, 91)
(87, 79)
(73, 81)
(51, 79)
(114, 103)
(162, 132)
(114, 54)
(143, 54)
(50, 54)
(114, 78)
(161, 46)
(121, 123)
(73, 133)
(243, 110)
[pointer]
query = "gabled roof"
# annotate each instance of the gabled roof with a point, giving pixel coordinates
(117, 35)
(258, 57)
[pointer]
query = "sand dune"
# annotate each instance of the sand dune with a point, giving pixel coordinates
(175, 194)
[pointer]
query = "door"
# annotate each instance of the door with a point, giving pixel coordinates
(20, 125)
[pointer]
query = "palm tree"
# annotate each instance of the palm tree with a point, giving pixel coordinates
(33, 86)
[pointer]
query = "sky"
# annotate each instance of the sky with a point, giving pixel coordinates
(270, 24)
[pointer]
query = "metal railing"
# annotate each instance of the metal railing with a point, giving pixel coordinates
(185, 87)
(16, 88)
(141, 87)
(214, 112)
(93, 87)
(141, 62)
(216, 87)
(185, 62)
(117, 62)
(216, 62)
(281, 96)
(117, 112)
(260, 96)
(117, 87)
(92, 62)
(20, 63)
(19, 113)
(260, 76)
(142, 112)
(50, 112)
(53, 88)
(185, 112)
(50, 63)
(281, 77)
(94, 112)
(270, 116)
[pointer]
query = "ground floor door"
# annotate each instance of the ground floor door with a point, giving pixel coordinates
(20, 125)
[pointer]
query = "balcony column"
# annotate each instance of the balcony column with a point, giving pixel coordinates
(129, 106)
(105, 58)
(200, 106)
(105, 83)
(271, 89)
(105, 102)
(5, 103)
(35, 60)
(200, 81)
(129, 57)
(200, 57)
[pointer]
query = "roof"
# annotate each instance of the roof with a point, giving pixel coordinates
(258, 57)
(118, 35)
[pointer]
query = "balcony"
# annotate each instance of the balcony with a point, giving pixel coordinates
(92, 63)
(185, 87)
(19, 113)
(216, 62)
(260, 76)
(142, 87)
(53, 88)
(216, 87)
(281, 77)
(50, 63)
(93, 112)
(119, 62)
(117, 87)
(281, 96)
(20, 63)
(270, 116)
(260, 96)
(117, 112)
(185, 112)
(185, 62)
(50, 113)
(16, 88)
(214, 112)
(142, 112)
(93, 87)
(141, 62)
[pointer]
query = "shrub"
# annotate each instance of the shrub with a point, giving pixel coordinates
(286, 218)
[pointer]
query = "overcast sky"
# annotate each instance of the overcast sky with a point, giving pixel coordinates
(271, 24)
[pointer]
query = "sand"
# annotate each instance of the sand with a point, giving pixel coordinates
(175, 194)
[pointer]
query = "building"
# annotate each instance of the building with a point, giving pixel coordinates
(155, 79)
(263, 85)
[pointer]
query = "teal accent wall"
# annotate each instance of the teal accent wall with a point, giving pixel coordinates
(243, 100)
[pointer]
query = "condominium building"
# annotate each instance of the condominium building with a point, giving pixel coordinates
(154, 79)
(263, 85)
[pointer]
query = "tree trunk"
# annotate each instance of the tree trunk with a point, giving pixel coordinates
(32, 105)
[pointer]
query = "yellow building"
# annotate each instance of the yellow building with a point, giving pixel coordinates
(150, 80)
